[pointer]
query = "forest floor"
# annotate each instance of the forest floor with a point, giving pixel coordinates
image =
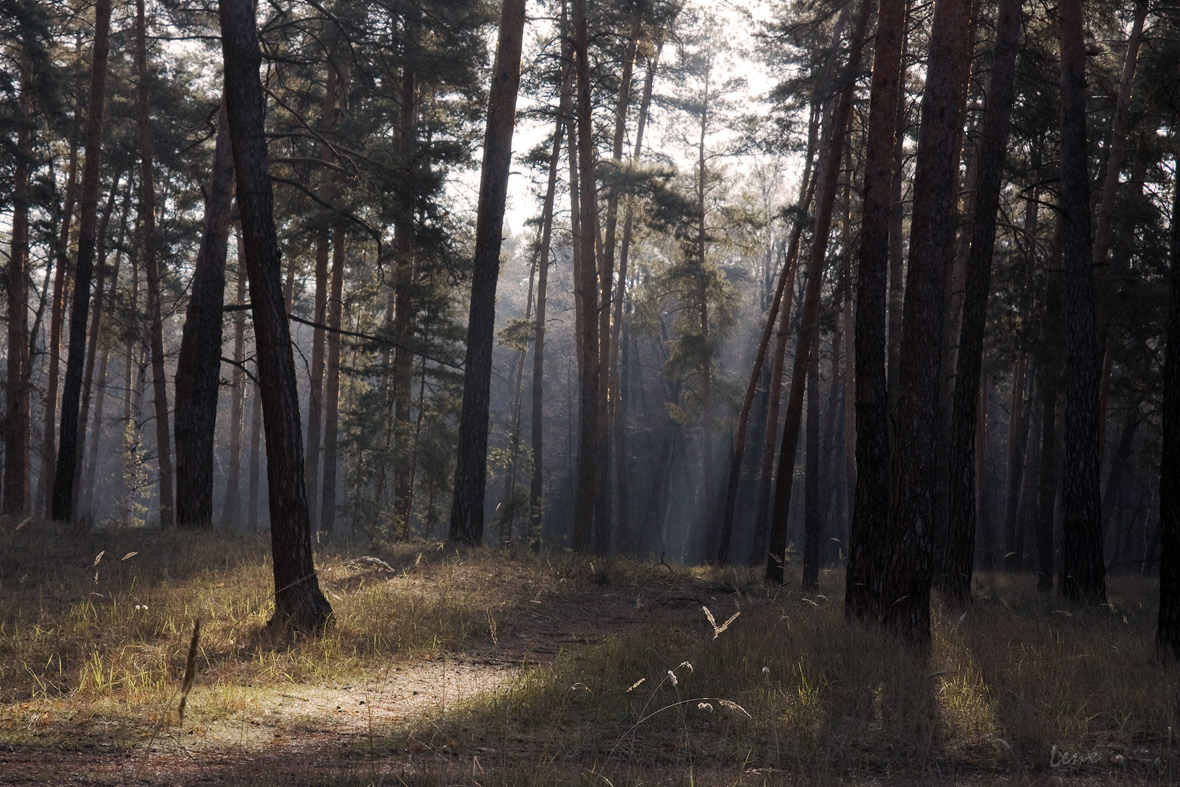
(494, 667)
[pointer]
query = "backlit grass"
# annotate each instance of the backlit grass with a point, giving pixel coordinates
(94, 630)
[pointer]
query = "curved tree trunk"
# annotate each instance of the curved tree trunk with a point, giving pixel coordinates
(299, 604)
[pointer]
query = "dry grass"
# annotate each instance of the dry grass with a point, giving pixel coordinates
(491, 668)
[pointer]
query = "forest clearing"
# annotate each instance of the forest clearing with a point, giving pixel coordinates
(487, 667)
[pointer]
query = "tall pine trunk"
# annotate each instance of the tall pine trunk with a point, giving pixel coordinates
(67, 457)
(870, 511)
(1083, 573)
(471, 465)
(905, 591)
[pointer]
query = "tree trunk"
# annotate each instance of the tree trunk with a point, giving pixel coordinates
(90, 466)
(827, 178)
(1167, 636)
(92, 339)
(152, 269)
(1050, 458)
(1022, 384)
(537, 485)
(299, 604)
(758, 549)
(16, 392)
(199, 364)
(403, 305)
(61, 285)
(471, 465)
(813, 525)
(959, 545)
(588, 494)
(320, 304)
(332, 383)
(67, 457)
(232, 505)
(870, 511)
(905, 591)
(1083, 574)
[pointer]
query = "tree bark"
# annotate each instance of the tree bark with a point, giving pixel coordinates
(199, 364)
(870, 511)
(905, 591)
(959, 545)
(471, 465)
(67, 457)
(1083, 573)
(299, 604)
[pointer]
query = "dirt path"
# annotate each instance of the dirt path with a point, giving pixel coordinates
(311, 734)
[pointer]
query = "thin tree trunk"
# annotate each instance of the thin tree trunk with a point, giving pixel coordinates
(471, 465)
(232, 505)
(1022, 384)
(827, 178)
(199, 364)
(618, 414)
(320, 304)
(90, 466)
(332, 384)
(16, 392)
(758, 551)
(813, 525)
(147, 180)
(1050, 458)
(92, 339)
(61, 284)
(537, 485)
(403, 302)
(67, 457)
(1083, 574)
(299, 604)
